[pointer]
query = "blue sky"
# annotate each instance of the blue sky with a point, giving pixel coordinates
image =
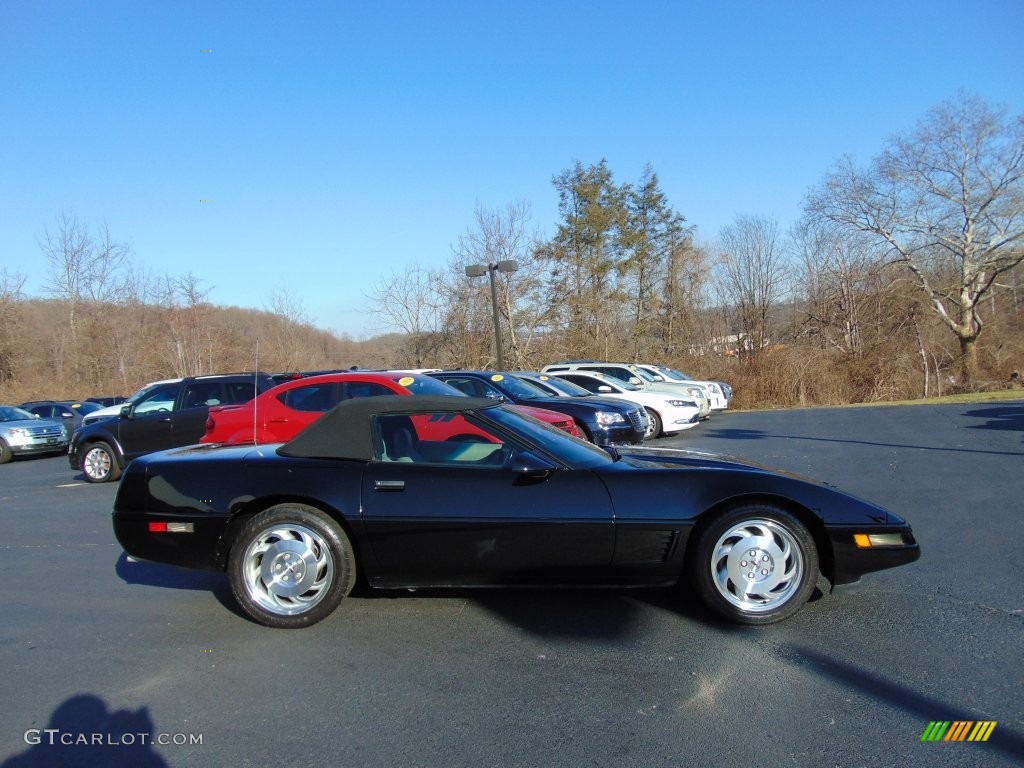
(338, 142)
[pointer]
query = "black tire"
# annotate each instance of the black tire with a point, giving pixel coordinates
(6, 454)
(99, 463)
(291, 542)
(654, 425)
(777, 549)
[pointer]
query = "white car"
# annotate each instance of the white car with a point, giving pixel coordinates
(666, 414)
(631, 373)
(715, 389)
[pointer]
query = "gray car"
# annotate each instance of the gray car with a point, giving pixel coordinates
(24, 433)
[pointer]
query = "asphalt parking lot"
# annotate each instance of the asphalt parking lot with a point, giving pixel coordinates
(138, 653)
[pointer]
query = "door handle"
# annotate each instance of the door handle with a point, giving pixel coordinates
(389, 485)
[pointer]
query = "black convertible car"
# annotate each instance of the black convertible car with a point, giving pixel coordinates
(456, 491)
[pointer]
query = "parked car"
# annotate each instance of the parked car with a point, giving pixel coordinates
(106, 401)
(666, 414)
(366, 490)
(23, 433)
(280, 414)
(165, 415)
(632, 374)
(719, 393)
(602, 421)
(69, 412)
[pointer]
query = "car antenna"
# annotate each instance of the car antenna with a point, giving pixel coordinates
(255, 389)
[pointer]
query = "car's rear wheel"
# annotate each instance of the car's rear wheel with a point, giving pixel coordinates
(653, 425)
(6, 454)
(290, 566)
(755, 564)
(99, 464)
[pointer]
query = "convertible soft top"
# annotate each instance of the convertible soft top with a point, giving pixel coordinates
(346, 431)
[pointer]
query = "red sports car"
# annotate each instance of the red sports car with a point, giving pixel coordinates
(279, 414)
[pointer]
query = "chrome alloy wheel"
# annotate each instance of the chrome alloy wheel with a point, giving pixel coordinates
(96, 463)
(287, 569)
(757, 565)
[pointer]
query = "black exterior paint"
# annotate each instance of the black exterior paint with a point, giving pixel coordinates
(540, 519)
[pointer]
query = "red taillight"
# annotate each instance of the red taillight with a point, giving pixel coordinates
(163, 527)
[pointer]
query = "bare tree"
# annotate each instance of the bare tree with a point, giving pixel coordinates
(408, 301)
(496, 236)
(11, 285)
(947, 202)
(753, 275)
(288, 340)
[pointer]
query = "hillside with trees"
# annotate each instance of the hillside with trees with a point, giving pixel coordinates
(902, 279)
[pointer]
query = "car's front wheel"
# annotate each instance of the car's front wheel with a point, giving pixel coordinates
(755, 564)
(653, 425)
(99, 464)
(290, 566)
(6, 454)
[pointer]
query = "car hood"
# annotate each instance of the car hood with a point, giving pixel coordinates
(682, 457)
(741, 476)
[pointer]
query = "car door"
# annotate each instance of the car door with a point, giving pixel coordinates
(457, 512)
(148, 427)
(189, 418)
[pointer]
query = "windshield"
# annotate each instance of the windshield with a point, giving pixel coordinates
(141, 394)
(519, 388)
(645, 375)
(561, 386)
(566, 448)
(11, 413)
(675, 374)
(423, 385)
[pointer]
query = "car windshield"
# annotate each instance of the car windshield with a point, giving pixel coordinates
(424, 385)
(563, 387)
(519, 388)
(573, 451)
(625, 386)
(13, 413)
(674, 373)
(141, 394)
(85, 408)
(645, 375)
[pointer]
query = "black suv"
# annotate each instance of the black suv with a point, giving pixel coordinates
(602, 420)
(171, 414)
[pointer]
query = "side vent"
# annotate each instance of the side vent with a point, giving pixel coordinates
(644, 545)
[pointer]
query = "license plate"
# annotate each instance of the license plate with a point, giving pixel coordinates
(51, 441)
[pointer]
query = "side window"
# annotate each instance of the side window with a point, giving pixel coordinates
(202, 393)
(315, 398)
(439, 438)
(587, 383)
(239, 391)
(160, 399)
(473, 387)
(351, 389)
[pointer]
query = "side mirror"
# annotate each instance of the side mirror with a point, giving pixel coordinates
(531, 468)
(128, 411)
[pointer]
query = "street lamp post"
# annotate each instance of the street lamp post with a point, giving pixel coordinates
(479, 270)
